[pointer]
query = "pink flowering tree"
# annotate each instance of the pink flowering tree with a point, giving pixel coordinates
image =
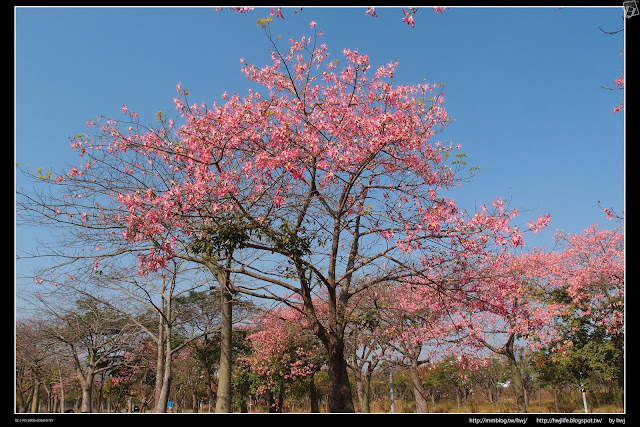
(591, 271)
(326, 182)
(422, 315)
(130, 381)
(281, 353)
(413, 322)
(503, 301)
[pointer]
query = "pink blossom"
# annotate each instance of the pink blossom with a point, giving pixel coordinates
(277, 13)
(541, 223)
(408, 18)
(387, 234)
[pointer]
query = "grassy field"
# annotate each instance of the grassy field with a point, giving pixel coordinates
(543, 403)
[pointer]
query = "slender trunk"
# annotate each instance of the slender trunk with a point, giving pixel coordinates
(366, 392)
(21, 404)
(516, 375)
(418, 390)
(419, 393)
(163, 398)
(281, 399)
(211, 395)
(165, 353)
(357, 373)
(160, 365)
(35, 399)
(99, 399)
(160, 359)
(464, 397)
(363, 388)
(272, 402)
(313, 395)
(518, 386)
(62, 408)
(392, 405)
(540, 399)
(223, 403)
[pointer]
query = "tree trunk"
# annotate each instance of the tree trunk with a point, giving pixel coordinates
(163, 397)
(357, 373)
(516, 377)
(366, 392)
(62, 408)
(340, 398)
(223, 403)
(87, 386)
(418, 390)
(271, 401)
(392, 406)
(211, 395)
(163, 363)
(35, 400)
(313, 395)
(161, 342)
(363, 388)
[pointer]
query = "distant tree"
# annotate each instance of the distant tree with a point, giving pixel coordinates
(95, 337)
(34, 351)
(282, 352)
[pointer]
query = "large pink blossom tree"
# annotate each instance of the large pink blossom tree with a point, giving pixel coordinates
(328, 181)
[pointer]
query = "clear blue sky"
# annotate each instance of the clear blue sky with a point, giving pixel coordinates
(524, 85)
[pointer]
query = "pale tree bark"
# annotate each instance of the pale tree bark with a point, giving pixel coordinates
(419, 392)
(516, 375)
